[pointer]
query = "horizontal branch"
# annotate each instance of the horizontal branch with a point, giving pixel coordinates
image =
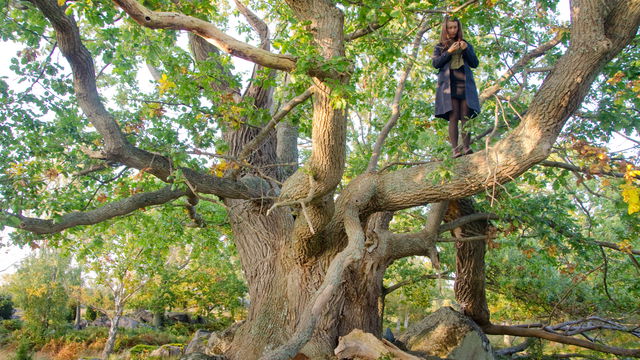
(615, 247)
(171, 20)
(108, 211)
(542, 334)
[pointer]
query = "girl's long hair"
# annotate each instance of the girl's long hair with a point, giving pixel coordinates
(444, 39)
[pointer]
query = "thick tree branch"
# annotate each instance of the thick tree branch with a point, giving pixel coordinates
(463, 239)
(226, 43)
(418, 243)
(537, 52)
(542, 334)
(108, 211)
(315, 183)
(395, 105)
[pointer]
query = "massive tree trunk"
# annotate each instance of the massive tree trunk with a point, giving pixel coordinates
(280, 288)
(283, 275)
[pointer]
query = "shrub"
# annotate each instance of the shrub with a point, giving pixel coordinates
(6, 306)
(142, 349)
(69, 351)
(131, 337)
(91, 314)
(24, 351)
(11, 325)
(53, 346)
(7, 330)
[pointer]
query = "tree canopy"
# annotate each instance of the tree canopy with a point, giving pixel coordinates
(326, 161)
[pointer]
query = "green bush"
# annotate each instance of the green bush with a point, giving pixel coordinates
(7, 330)
(87, 335)
(91, 314)
(6, 306)
(142, 349)
(24, 350)
(11, 325)
(130, 337)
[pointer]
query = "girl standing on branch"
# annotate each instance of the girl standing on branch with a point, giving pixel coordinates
(457, 95)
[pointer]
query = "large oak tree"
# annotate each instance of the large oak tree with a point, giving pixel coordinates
(313, 237)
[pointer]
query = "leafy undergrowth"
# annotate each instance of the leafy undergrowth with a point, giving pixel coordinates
(88, 343)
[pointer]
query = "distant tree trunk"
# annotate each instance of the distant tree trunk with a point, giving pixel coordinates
(113, 329)
(78, 315)
(406, 318)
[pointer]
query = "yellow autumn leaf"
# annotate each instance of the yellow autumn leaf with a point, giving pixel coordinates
(631, 196)
(625, 246)
(617, 77)
(631, 174)
(165, 84)
(61, 2)
(219, 169)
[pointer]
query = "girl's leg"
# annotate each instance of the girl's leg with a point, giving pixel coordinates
(466, 136)
(454, 116)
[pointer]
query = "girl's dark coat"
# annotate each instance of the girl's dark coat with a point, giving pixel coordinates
(441, 60)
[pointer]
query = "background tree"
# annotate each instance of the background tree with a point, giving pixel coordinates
(313, 240)
(40, 288)
(127, 254)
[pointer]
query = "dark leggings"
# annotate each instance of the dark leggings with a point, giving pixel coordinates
(459, 111)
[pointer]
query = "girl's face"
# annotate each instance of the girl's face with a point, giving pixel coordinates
(452, 29)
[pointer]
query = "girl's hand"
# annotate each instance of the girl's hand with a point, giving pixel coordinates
(454, 47)
(463, 44)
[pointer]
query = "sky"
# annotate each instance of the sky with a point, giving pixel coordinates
(12, 255)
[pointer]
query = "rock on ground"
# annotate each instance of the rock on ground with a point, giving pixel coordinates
(167, 351)
(198, 343)
(212, 343)
(447, 334)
